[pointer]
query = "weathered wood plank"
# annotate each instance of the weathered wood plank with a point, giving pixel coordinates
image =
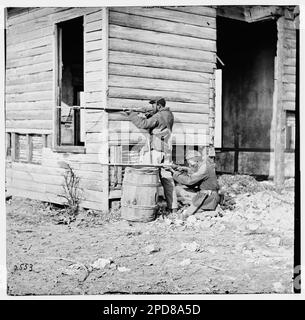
(31, 69)
(161, 51)
(29, 53)
(140, 94)
(25, 61)
(181, 117)
(93, 26)
(152, 24)
(288, 78)
(157, 84)
(30, 87)
(291, 62)
(29, 115)
(94, 45)
(29, 96)
(289, 70)
(94, 16)
(94, 66)
(160, 62)
(94, 55)
(200, 10)
(28, 45)
(93, 76)
(289, 105)
(21, 36)
(289, 95)
(34, 106)
(26, 124)
(169, 15)
(31, 78)
(161, 38)
(174, 106)
(47, 132)
(157, 73)
(94, 36)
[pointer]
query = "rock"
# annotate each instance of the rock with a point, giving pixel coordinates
(278, 287)
(152, 249)
(185, 262)
(193, 246)
(275, 241)
(123, 269)
(191, 220)
(101, 263)
(72, 269)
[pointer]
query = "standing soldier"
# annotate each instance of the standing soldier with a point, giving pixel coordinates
(158, 150)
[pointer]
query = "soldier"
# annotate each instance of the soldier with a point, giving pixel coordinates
(198, 185)
(159, 123)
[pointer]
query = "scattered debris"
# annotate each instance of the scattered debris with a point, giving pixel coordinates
(278, 287)
(123, 269)
(152, 249)
(192, 246)
(185, 262)
(101, 263)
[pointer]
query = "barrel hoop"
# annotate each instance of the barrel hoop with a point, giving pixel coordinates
(139, 207)
(126, 183)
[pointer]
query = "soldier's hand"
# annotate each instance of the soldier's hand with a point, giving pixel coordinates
(169, 168)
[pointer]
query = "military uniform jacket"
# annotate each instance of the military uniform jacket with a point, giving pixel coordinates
(205, 180)
(159, 126)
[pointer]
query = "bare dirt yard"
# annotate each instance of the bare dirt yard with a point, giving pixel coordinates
(244, 247)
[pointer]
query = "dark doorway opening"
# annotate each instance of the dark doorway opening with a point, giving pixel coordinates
(248, 52)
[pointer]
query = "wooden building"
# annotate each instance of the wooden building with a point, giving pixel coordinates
(57, 58)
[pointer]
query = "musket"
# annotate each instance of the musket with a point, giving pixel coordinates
(162, 165)
(122, 109)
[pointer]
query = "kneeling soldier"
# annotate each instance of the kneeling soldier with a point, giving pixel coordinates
(198, 186)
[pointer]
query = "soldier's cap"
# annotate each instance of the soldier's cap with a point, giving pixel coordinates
(160, 102)
(192, 154)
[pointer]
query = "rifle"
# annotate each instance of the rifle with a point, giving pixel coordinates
(122, 109)
(173, 166)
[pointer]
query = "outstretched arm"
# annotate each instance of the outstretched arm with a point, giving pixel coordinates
(190, 179)
(143, 123)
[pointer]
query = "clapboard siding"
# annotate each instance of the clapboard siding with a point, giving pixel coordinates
(289, 68)
(30, 103)
(161, 52)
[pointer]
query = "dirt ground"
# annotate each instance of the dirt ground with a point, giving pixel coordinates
(244, 247)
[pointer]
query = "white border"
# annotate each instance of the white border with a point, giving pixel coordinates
(100, 3)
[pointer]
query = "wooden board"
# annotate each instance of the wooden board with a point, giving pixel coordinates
(169, 15)
(140, 94)
(174, 106)
(154, 49)
(157, 84)
(156, 24)
(199, 10)
(157, 73)
(160, 62)
(161, 38)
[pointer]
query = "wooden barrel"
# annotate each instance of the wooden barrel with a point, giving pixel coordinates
(140, 194)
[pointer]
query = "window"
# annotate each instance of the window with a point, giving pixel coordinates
(290, 130)
(69, 84)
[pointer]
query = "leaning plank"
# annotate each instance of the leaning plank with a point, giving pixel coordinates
(161, 38)
(161, 51)
(135, 59)
(157, 73)
(139, 94)
(157, 84)
(152, 24)
(169, 15)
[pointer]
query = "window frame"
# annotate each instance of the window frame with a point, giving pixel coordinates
(57, 53)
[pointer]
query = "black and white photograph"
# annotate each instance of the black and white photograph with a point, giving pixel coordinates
(152, 150)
